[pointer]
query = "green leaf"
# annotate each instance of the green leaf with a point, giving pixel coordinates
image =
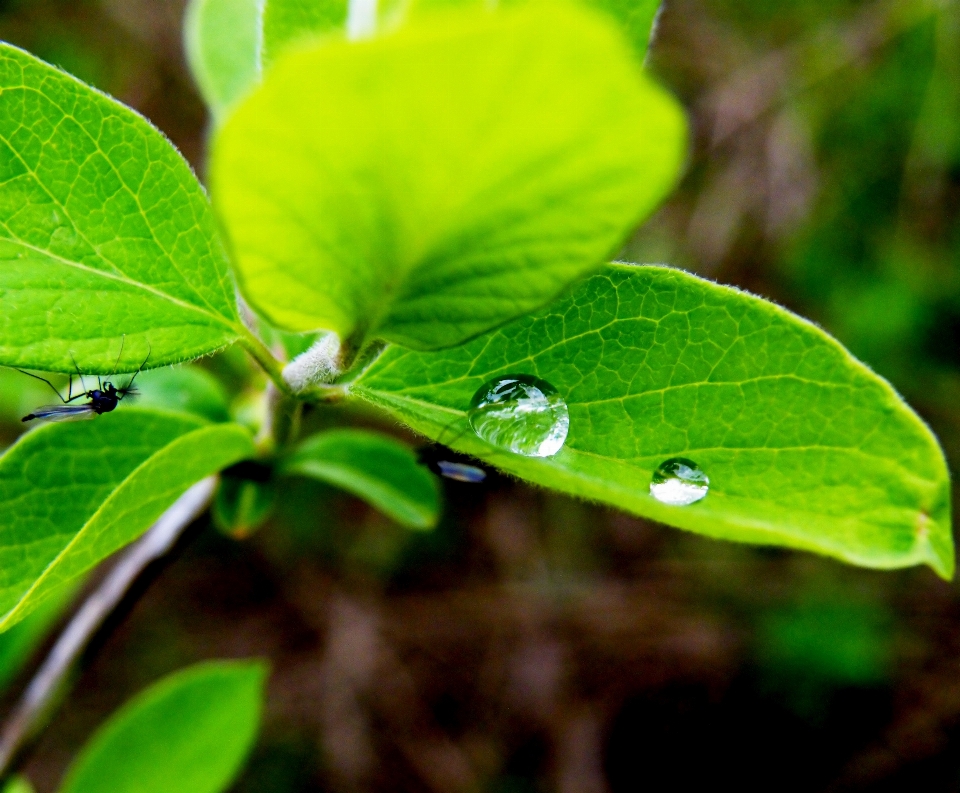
(19, 643)
(803, 445)
(222, 43)
(105, 233)
(73, 493)
(187, 389)
(18, 784)
(189, 733)
(286, 22)
(373, 467)
(426, 186)
(242, 505)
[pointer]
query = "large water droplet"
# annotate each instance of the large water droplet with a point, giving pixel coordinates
(679, 482)
(521, 414)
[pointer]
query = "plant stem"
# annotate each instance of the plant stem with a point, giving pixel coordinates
(274, 370)
(38, 697)
(259, 352)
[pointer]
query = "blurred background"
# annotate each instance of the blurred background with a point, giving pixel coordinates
(534, 643)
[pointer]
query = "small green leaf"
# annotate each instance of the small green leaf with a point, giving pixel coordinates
(106, 237)
(803, 445)
(286, 22)
(373, 467)
(242, 505)
(425, 186)
(73, 493)
(188, 389)
(18, 784)
(222, 43)
(189, 733)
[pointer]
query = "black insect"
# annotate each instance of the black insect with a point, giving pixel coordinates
(102, 399)
(445, 462)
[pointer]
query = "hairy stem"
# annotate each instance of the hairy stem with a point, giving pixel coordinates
(259, 352)
(48, 680)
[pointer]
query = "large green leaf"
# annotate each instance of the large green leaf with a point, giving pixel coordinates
(428, 185)
(222, 39)
(189, 733)
(73, 493)
(104, 233)
(373, 467)
(803, 445)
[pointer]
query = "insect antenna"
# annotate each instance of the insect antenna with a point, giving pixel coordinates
(128, 388)
(116, 363)
(83, 385)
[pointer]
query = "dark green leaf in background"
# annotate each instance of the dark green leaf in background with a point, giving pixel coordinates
(286, 22)
(636, 17)
(242, 504)
(185, 389)
(803, 445)
(18, 784)
(222, 39)
(373, 467)
(73, 493)
(428, 185)
(104, 233)
(188, 733)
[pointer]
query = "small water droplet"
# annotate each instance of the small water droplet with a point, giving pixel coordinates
(679, 482)
(522, 414)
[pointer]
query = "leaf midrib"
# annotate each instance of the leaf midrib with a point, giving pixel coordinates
(124, 279)
(906, 472)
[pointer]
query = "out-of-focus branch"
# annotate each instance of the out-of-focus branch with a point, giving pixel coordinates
(46, 683)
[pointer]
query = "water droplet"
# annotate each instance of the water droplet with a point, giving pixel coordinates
(522, 414)
(679, 482)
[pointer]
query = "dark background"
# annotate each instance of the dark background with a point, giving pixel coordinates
(534, 643)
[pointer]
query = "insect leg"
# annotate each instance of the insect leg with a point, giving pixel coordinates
(83, 385)
(44, 380)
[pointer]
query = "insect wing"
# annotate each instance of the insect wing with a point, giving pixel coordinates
(62, 413)
(461, 472)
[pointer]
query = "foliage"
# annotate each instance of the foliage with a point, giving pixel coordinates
(439, 190)
(97, 205)
(445, 236)
(80, 491)
(195, 727)
(373, 467)
(425, 194)
(450, 236)
(804, 446)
